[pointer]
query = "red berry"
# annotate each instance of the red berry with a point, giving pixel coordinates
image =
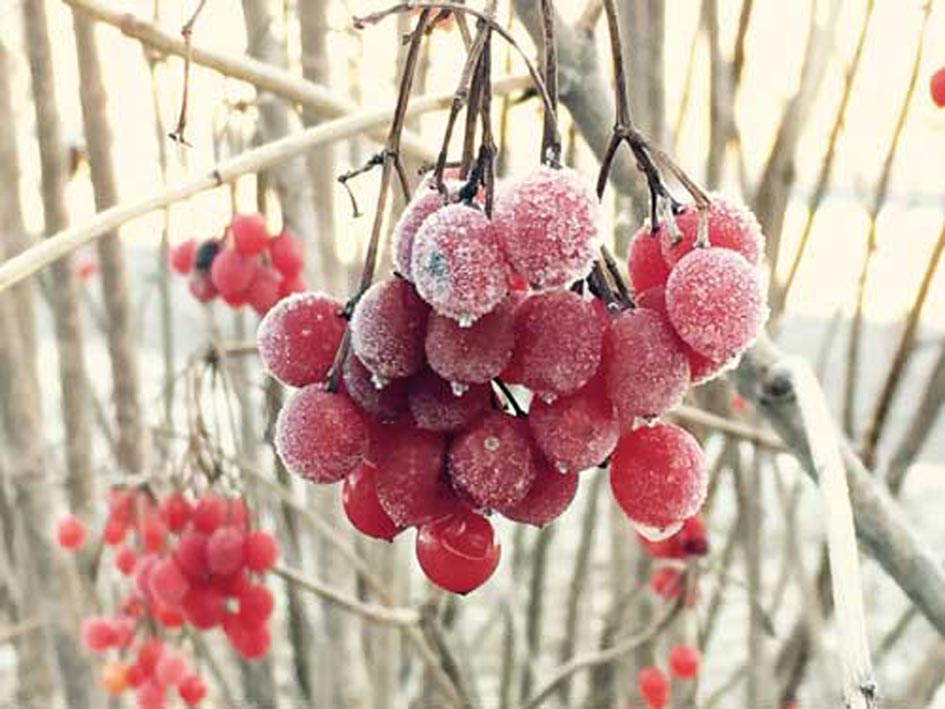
(250, 642)
(474, 354)
(142, 574)
(715, 302)
(937, 87)
(730, 226)
(287, 254)
(97, 634)
(192, 690)
(152, 533)
(150, 695)
(225, 554)
(232, 273)
(291, 284)
(298, 338)
(209, 512)
(125, 560)
(363, 508)
(70, 532)
(182, 256)
(201, 287)
(191, 556)
(576, 431)
(653, 687)
(457, 264)
(204, 607)
(437, 406)
(167, 582)
(321, 436)
(645, 262)
(388, 328)
(658, 477)
(684, 661)
(385, 403)
(547, 223)
(175, 511)
(409, 474)
(550, 494)
(249, 233)
(170, 669)
(167, 616)
(263, 292)
(644, 366)
(689, 541)
(666, 582)
(255, 604)
(458, 552)
(260, 550)
(557, 343)
(492, 462)
(149, 653)
(114, 531)
(426, 200)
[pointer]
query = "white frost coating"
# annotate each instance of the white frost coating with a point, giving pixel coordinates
(859, 684)
(426, 200)
(656, 534)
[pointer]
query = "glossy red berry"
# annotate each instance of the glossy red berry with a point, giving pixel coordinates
(653, 686)
(209, 512)
(255, 604)
(550, 494)
(260, 551)
(264, 290)
(192, 690)
(458, 553)
(730, 226)
(250, 642)
(362, 506)
(684, 661)
(175, 510)
(70, 532)
(182, 256)
(287, 254)
(249, 233)
(231, 274)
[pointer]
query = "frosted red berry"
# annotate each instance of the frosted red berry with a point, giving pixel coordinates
(690, 540)
(458, 553)
(474, 354)
(557, 343)
(232, 273)
(937, 87)
(192, 690)
(70, 532)
(547, 223)
(287, 254)
(436, 406)
(426, 200)
(684, 661)
(383, 403)
(715, 302)
(321, 436)
(644, 366)
(645, 262)
(575, 431)
(457, 265)
(225, 551)
(549, 495)
(653, 686)
(362, 506)
(299, 337)
(388, 329)
(730, 226)
(191, 556)
(182, 256)
(658, 477)
(491, 461)
(204, 607)
(249, 233)
(260, 551)
(175, 511)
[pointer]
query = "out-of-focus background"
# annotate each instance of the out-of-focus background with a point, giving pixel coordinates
(817, 114)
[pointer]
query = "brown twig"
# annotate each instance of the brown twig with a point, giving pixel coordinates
(186, 32)
(550, 138)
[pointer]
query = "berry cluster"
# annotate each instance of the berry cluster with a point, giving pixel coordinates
(245, 266)
(652, 682)
(420, 422)
(190, 563)
(669, 555)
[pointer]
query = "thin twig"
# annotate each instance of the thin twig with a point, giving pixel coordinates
(186, 32)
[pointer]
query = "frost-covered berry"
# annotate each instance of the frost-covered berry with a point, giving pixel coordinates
(644, 365)
(701, 369)
(409, 474)
(287, 254)
(436, 406)
(715, 302)
(260, 550)
(492, 461)
(457, 264)
(458, 552)
(363, 508)
(321, 436)
(384, 404)
(645, 263)
(249, 233)
(298, 338)
(658, 477)
(388, 328)
(474, 354)
(549, 495)
(547, 223)
(226, 551)
(730, 226)
(426, 200)
(576, 431)
(167, 582)
(232, 273)
(557, 343)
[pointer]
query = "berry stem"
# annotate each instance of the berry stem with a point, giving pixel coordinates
(186, 31)
(510, 398)
(550, 139)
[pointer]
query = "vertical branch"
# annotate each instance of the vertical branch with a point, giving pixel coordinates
(550, 139)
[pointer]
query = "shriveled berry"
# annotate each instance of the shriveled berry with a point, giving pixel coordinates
(658, 477)
(457, 264)
(70, 532)
(299, 337)
(645, 368)
(436, 406)
(388, 328)
(684, 661)
(182, 256)
(645, 262)
(557, 343)
(385, 403)
(653, 687)
(715, 302)
(362, 506)
(491, 461)
(730, 226)
(260, 551)
(458, 553)
(321, 436)
(549, 495)
(547, 223)
(249, 233)
(474, 354)
(287, 254)
(232, 273)
(206, 253)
